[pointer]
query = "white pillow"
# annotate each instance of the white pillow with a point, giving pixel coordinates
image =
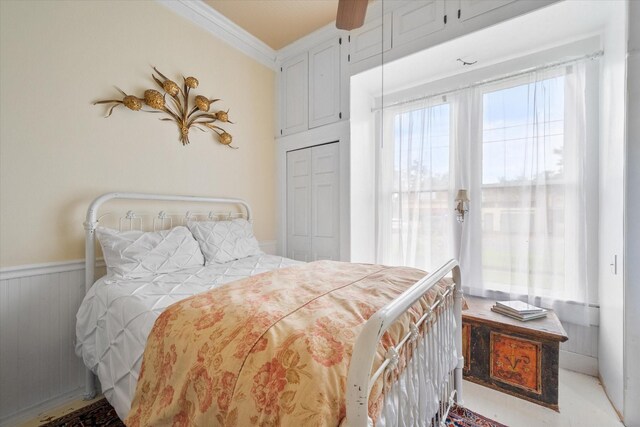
(136, 254)
(224, 241)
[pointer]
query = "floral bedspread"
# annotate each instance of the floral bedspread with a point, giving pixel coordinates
(268, 350)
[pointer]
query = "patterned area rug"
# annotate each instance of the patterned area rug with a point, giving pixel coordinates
(463, 417)
(101, 413)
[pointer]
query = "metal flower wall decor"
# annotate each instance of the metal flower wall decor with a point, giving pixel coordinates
(179, 110)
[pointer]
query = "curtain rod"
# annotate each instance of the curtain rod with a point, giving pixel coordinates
(593, 55)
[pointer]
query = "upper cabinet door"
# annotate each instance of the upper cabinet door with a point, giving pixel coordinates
(417, 19)
(371, 39)
(472, 8)
(324, 83)
(294, 95)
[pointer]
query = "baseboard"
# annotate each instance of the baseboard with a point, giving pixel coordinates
(31, 412)
(579, 363)
(606, 393)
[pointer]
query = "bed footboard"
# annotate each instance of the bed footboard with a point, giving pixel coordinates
(436, 343)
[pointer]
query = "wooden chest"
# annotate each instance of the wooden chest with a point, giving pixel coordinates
(519, 358)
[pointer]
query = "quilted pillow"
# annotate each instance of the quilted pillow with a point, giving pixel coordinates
(224, 241)
(136, 254)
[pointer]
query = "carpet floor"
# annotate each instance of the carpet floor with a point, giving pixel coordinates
(101, 413)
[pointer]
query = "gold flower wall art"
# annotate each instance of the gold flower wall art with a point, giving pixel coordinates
(179, 109)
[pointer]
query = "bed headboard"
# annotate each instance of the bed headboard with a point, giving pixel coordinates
(92, 219)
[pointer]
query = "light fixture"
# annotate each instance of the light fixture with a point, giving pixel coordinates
(462, 204)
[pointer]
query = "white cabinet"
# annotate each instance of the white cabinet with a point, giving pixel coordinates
(314, 84)
(472, 8)
(294, 95)
(313, 203)
(410, 21)
(417, 19)
(371, 39)
(324, 83)
(310, 88)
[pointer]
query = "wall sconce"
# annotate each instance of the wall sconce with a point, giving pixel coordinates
(462, 204)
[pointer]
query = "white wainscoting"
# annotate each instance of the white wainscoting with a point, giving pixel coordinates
(38, 365)
(580, 352)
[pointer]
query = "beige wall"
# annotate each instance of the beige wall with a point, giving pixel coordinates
(58, 151)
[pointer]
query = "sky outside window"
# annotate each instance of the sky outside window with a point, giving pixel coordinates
(521, 138)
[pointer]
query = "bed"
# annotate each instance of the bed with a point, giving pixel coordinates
(398, 333)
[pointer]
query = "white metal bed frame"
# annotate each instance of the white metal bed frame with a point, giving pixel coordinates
(359, 379)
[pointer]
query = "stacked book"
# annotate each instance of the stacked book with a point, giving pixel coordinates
(519, 310)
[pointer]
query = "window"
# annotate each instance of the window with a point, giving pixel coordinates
(418, 232)
(523, 132)
(519, 147)
(523, 184)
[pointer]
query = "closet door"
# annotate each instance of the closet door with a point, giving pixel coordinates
(313, 203)
(325, 202)
(299, 205)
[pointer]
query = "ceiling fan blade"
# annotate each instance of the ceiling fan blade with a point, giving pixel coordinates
(351, 14)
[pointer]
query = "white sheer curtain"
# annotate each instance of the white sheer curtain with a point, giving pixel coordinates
(519, 146)
(414, 207)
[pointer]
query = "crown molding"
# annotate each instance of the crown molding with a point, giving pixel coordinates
(221, 27)
(226, 30)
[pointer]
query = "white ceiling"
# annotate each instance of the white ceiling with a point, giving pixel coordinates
(277, 22)
(544, 29)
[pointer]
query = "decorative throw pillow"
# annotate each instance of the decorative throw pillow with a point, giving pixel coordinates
(136, 254)
(224, 241)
